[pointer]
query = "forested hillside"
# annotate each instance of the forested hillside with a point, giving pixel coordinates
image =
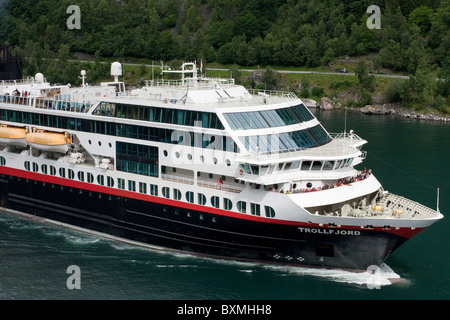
(414, 37)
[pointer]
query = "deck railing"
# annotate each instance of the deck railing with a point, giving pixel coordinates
(48, 104)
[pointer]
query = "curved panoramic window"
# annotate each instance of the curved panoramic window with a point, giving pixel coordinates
(268, 118)
(307, 138)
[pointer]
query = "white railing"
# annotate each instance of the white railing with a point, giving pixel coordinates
(47, 103)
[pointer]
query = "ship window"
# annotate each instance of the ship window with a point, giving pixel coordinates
(263, 170)
(324, 250)
(142, 187)
(2, 161)
(153, 190)
(242, 206)
(27, 165)
(201, 199)
(288, 166)
(306, 165)
(90, 177)
(71, 174)
(215, 201)
(121, 183)
(328, 165)
(349, 162)
(317, 165)
(255, 170)
(131, 185)
(100, 179)
(44, 168)
(166, 192)
(295, 165)
(176, 194)
(110, 182)
(227, 204)
(295, 140)
(35, 167)
(190, 196)
(246, 167)
(268, 118)
(62, 172)
(52, 170)
(139, 159)
(269, 211)
(80, 175)
(254, 209)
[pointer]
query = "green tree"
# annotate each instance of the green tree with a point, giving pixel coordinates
(365, 80)
(422, 17)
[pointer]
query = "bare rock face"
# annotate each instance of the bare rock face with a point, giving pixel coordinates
(326, 104)
(310, 103)
(374, 109)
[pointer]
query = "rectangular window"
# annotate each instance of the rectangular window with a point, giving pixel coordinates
(131, 185)
(139, 159)
(153, 190)
(142, 187)
(120, 183)
(255, 209)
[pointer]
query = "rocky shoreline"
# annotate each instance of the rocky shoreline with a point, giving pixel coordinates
(377, 109)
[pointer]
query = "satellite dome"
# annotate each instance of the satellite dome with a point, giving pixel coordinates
(39, 77)
(116, 69)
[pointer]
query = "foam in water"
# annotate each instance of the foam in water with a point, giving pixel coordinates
(374, 278)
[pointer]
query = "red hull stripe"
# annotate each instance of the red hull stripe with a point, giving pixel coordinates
(403, 232)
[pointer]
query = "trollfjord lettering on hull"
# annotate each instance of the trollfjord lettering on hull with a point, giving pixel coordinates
(330, 231)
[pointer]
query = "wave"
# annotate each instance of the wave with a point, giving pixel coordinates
(374, 278)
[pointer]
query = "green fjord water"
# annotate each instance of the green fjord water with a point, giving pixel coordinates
(409, 157)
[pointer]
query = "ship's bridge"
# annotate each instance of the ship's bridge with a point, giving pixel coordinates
(331, 161)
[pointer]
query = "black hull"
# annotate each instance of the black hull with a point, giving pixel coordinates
(167, 225)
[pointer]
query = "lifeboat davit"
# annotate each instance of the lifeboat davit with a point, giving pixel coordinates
(13, 136)
(49, 141)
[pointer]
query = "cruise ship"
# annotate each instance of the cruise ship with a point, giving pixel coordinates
(198, 165)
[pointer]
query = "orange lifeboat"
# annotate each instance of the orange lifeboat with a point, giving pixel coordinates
(49, 141)
(13, 136)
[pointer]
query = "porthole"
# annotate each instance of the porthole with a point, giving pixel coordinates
(189, 156)
(228, 162)
(202, 158)
(215, 160)
(165, 153)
